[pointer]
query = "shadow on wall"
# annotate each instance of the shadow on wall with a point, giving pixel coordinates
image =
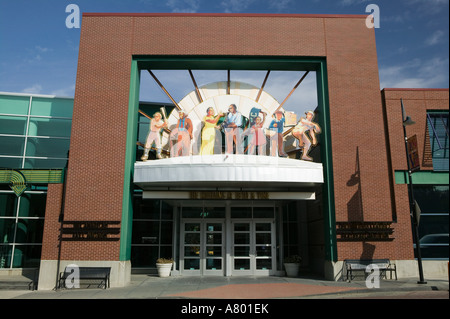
(354, 205)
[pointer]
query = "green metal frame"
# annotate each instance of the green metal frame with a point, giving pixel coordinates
(422, 177)
(275, 63)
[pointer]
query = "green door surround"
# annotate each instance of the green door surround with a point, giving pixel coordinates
(273, 63)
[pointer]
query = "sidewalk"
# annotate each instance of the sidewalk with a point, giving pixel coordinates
(152, 287)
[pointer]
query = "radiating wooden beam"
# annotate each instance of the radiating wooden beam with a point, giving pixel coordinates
(146, 115)
(199, 96)
(262, 86)
(162, 87)
(228, 82)
(295, 87)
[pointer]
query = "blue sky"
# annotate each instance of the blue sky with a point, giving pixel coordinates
(39, 54)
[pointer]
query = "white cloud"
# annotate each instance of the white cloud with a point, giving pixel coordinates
(435, 38)
(236, 5)
(428, 6)
(34, 89)
(187, 6)
(65, 92)
(281, 5)
(416, 73)
(351, 2)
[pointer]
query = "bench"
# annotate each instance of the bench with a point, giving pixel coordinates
(88, 273)
(384, 266)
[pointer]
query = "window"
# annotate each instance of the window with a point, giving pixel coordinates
(152, 232)
(34, 131)
(21, 229)
(438, 131)
(434, 221)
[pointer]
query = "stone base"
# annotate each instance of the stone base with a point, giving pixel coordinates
(49, 272)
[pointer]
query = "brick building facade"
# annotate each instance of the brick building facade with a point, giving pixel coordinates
(360, 147)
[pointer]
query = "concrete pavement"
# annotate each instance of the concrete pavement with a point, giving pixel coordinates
(153, 287)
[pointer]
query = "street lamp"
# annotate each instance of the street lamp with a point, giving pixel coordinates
(406, 121)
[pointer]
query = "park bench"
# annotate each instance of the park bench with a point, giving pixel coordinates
(88, 273)
(384, 266)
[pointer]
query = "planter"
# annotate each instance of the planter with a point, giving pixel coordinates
(164, 269)
(292, 269)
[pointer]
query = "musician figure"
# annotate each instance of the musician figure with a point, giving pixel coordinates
(233, 130)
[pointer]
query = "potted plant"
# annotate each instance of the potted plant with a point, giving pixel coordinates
(164, 266)
(292, 265)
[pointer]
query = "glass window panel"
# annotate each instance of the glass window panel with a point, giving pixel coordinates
(192, 251)
(144, 256)
(11, 145)
(263, 212)
(241, 264)
(263, 238)
(438, 131)
(242, 251)
(27, 256)
(192, 212)
(5, 255)
(214, 239)
(29, 231)
(146, 209)
(241, 238)
(241, 227)
(264, 264)
(165, 251)
(47, 147)
(263, 251)
(166, 232)
(8, 206)
(10, 162)
(214, 212)
(241, 212)
(32, 205)
(192, 264)
(15, 125)
(192, 227)
(143, 132)
(7, 230)
(166, 211)
(214, 227)
(214, 251)
(145, 232)
(14, 104)
(44, 163)
(49, 127)
(432, 198)
(52, 107)
(214, 264)
(433, 224)
(192, 238)
(263, 227)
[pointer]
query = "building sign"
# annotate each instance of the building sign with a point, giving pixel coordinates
(413, 154)
(225, 195)
(90, 231)
(228, 195)
(364, 231)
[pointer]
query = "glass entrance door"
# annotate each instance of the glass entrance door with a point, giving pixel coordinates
(202, 248)
(253, 247)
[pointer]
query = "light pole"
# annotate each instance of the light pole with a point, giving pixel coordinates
(406, 120)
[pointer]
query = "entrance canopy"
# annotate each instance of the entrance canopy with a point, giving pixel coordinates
(227, 170)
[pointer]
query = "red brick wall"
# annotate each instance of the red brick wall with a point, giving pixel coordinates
(50, 239)
(97, 151)
(416, 103)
